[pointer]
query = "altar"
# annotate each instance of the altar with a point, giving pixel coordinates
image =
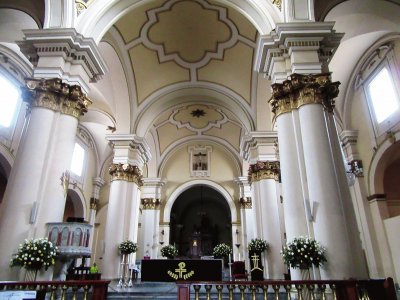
(169, 270)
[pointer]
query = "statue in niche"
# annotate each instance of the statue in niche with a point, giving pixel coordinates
(200, 161)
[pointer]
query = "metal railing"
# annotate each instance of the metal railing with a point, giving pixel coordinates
(71, 289)
(380, 289)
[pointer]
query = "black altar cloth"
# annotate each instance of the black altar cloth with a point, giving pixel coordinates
(169, 270)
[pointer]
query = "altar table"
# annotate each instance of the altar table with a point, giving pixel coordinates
(167, 270)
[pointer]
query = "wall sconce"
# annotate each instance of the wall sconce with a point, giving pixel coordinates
(162, 237)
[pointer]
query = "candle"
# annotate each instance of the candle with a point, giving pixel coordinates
(239, 256)
(230, 258)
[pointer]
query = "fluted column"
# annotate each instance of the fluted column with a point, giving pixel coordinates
(130, 154)
(35, 195)
(264, 176)
(312, 97)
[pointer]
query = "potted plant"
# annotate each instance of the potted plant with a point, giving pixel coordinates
(127, 247)
(303, 253)
(35, 254)
(169, 251)
(258, 245)
(222, 250)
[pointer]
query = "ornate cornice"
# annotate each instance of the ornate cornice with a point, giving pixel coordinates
(301, 90)
(245, 203)
(264, 170)
(126, 172)
(55, 95)
(150, 203)
(94, 203)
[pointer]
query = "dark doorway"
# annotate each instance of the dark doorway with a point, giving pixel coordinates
(200, 219)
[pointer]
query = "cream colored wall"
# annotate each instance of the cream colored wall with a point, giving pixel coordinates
(392, 226)
(223, 171)
(264, 114)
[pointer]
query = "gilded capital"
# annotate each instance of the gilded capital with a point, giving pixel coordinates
(264, 170)
(55, 95)
(301, 90)
(150, 203)
(94, 203)
(245, 203)
(126, 172)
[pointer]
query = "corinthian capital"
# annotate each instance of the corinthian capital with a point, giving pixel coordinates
(264, 170)
(126, 172)
(55, 95)
(151, 203)
(302, 90)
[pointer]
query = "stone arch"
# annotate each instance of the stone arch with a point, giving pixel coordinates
(193, 183)
(384, 156)
(101, 15)
(75, 204)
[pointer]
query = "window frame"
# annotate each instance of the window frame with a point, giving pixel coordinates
(7, 132)
(80, 178)
(388, 63)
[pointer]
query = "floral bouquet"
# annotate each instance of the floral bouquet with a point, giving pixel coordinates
(303, 253)
(222, 250)
(258, 245)
(34, 254)
(169, 251)
(127, 247)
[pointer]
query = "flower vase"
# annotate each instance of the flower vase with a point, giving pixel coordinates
(305, 275)
(31, 275)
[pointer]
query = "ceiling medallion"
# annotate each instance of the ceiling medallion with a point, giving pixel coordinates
(198, 113)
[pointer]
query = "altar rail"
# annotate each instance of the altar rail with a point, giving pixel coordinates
(78, 289)
(380, 289)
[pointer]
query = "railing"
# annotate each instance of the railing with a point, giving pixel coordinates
(78, 289)
(381, 289)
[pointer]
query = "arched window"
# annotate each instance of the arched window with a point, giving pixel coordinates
(9, 100)
(78, 160)
(380, 82)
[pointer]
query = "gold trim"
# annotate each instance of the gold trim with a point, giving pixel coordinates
(150, 203)
(94, 203)
(301, 90)
(245, 203)
(57, 96)
(126, 172)
(264, 170)
(277, 3)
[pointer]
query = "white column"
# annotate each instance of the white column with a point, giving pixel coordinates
(264, 177)
(115, 230)
(292, 189)
(325, 196)
(53, 204)
(150, 228)
(24, 188)
(130, 154)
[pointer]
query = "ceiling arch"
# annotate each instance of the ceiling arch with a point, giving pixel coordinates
(102, 14)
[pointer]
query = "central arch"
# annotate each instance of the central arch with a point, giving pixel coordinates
(187, 185)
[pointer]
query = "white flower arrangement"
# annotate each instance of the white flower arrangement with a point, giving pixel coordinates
(222, 250)
(303, 253)
(258, 245)
(35, 254)
(127, 247)
(169, 251)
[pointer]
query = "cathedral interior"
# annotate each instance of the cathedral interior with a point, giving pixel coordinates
(199, 122)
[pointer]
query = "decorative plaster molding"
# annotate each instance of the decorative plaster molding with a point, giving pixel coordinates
(264, 170)
(126, 172)
(55, 95)
(302, 90)
(66, 43)
(163, 56)
(259, 145)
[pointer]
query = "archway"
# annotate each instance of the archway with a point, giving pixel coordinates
(74, 209)
(200, 219)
